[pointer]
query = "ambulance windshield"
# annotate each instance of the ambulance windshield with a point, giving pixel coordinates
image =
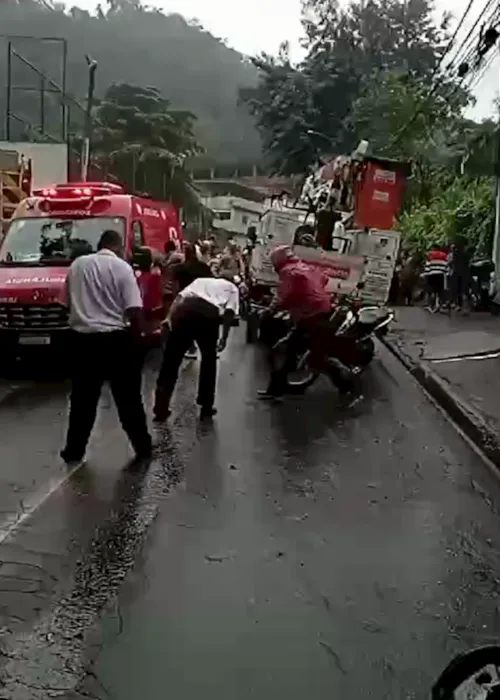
(54, 241)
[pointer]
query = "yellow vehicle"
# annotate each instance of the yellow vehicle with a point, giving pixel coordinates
(15, 184)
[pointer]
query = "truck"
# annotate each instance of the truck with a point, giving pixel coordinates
(45, 234)
(15, 184)
(27, 166)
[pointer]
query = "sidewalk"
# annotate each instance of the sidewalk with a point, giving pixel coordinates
(457, 360)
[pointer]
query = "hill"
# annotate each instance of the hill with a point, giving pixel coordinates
(192, 68)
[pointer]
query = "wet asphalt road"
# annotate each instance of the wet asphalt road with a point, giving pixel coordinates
(292, 551)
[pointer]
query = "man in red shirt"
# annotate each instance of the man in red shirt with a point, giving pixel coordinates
(151, 287)
(302, 292)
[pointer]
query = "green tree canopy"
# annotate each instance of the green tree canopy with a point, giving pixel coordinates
(144, 142)
(347, 48)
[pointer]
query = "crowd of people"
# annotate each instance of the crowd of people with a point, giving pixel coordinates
(115, 309)
(446, 278)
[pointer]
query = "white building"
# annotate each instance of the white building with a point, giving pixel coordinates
(234, 214)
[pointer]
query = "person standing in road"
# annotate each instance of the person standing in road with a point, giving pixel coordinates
(435, 274)
(172, 257)
(196, 315)
(186, 272)
(190, 269)
(106, 318)
(150, 285)
(459, 275)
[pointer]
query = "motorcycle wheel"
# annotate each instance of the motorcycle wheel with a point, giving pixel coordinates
(302, 377)
(366, 351)
(477, 667)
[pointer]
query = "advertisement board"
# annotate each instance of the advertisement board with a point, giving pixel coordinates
(380, 250)
(379, 194)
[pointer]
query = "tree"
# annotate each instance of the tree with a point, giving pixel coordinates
(402, 118)
(145, 141)
(346, 49)
(463, 209)
(283, 112)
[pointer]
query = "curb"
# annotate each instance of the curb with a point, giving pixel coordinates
(462, 413)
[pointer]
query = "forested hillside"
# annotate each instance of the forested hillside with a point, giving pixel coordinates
(191, 68)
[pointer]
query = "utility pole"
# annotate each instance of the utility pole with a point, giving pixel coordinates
(92, 66)
(496, 232)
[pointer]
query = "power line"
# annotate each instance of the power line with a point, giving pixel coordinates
(462, 60)
(469, 39)
(457, 29)
(436, 85)
(480, 75)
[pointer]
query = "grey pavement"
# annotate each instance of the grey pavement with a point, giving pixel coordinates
(464, 351)
(288, 551)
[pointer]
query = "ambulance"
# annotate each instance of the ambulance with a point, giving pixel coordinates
(49, 229)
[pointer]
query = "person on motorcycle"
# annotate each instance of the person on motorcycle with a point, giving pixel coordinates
(302, 292)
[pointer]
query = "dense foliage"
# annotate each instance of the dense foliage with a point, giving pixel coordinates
(191, 68)
(373, 70)
(144, 142)
(462, 209)
(306, 109)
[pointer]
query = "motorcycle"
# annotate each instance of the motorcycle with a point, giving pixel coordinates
(259, 298)
(352, 343)
(476, 672)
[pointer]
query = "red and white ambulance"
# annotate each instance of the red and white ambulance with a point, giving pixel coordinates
(46, 231)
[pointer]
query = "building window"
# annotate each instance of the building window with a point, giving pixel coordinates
(222, 215)
(245, 220)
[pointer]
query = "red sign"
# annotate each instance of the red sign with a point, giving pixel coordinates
(379, 194)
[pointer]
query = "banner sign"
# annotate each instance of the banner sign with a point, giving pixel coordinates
(344, 271)
(379, 194)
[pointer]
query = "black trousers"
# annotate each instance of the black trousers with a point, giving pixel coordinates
(99, 357)
(196, 321)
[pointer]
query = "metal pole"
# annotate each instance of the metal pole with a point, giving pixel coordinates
(9, 91)
(42, 105)
(88, 119)
(496, 234)
(64, 130)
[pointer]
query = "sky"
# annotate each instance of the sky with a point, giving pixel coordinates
(261, 25)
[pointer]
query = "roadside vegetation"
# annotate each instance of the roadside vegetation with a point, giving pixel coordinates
(386, 71)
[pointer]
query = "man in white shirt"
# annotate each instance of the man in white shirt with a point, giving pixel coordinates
(105, 314)
(196, 316)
